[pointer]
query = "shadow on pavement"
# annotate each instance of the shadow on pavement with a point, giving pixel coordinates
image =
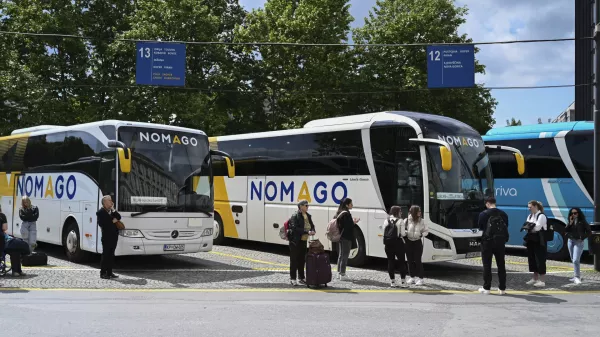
(538, 298)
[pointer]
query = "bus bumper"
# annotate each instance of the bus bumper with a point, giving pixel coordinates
(142, 246)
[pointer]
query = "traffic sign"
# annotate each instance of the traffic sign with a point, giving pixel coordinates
(451, 66)
(160, 64)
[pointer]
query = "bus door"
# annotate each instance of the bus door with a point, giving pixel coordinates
(256, 210)
(9, 201)
(12, 212)
(107, 185)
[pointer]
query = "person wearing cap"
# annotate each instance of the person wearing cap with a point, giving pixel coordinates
(300, 228)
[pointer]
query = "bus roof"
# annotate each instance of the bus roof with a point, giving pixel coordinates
(43, 129)
(353, 122)
(535, 130)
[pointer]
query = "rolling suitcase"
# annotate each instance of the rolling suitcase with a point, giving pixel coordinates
(34, 259)
(318, 270)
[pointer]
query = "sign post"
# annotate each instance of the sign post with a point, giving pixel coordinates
(451, 66)
(595, 239)
(161, 64)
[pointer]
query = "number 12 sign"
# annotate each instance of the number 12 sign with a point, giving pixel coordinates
(160, 64)
(451, 66)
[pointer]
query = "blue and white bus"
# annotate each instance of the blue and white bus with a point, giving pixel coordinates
(558, 172)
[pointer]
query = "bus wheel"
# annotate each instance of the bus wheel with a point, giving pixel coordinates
(218, 230)
(557, 248)
(72, 243)
(358, 255)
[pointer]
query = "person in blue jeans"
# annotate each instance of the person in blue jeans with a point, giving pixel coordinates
(577, 230)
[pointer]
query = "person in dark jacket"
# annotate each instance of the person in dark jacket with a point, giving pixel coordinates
(5, 247)
(301, 227)
(107, 217)
(577, 230)
(493, 247)
(346, 224)
(29, 215)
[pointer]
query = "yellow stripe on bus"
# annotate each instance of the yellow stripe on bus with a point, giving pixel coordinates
(223, 207)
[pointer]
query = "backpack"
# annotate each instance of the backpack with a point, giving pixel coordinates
(496, 229)
(333, 232)
(548, 233)
(390, 232)
(283, 231)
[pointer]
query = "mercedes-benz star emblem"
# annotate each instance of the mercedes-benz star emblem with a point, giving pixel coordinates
(174, 234)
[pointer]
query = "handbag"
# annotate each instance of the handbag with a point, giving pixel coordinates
(120, 225)
(315, 247)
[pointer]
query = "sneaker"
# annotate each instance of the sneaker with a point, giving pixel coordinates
(483, 291)
(410, 281)
(501, 292)
(393, 284)
(105, 277)
(344, 278)
(577, 280)
(539, 284)
(302, 281)
(419, 282)
(530, 282)
(403, 284)
(293, 282)
(113, 276)
(572, 279)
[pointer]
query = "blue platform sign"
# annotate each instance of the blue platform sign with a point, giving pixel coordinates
(451, 66)
(160, 64)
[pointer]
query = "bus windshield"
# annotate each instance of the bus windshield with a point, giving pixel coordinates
(456, 196)
(170, 171)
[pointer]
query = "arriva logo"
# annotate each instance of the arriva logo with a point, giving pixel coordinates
(282, 190)
(44, 187)
(460, 141)
(166, 138)
(506, 192)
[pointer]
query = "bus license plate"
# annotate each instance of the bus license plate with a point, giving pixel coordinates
(473, 254)
(173, 248)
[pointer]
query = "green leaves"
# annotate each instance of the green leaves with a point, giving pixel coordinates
(229, 88)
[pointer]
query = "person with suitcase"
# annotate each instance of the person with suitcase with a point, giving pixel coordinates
(318, 268)
(300, 228)
(29, 215)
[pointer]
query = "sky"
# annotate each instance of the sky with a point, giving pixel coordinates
(532, 64)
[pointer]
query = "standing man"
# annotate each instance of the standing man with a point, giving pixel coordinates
(107, 217)
(493, 223)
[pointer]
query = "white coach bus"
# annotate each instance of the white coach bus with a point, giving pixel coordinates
(159, 176)
(378, 160)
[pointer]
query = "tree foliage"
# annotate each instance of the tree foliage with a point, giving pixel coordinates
(229, 88)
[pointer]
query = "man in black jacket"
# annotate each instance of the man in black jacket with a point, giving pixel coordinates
(493, 223)
(300, 228)
(107, 217)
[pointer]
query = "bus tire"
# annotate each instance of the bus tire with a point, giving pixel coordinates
(72, 242)
(358, 256)
(218, 230)
(558, 249)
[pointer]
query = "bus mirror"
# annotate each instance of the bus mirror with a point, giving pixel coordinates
(115, 144)
(520, 163)
(124, 159)
(230, 167)
(446, 157)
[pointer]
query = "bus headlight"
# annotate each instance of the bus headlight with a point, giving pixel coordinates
(207, 232)
(131, 233)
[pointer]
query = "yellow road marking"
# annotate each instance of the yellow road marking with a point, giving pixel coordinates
(249, 259)
(306, 290)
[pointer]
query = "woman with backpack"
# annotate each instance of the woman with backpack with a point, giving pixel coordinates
(345, 224)
(416, 230)
(393, 240)
(578, 229)
(536, 243)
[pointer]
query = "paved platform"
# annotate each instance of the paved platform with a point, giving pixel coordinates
(253, 267)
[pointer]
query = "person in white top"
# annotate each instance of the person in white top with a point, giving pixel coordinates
(536, 244)
(416, 229)
(393, 234)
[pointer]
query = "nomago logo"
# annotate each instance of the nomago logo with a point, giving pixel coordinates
(166, 138)
(461, 141)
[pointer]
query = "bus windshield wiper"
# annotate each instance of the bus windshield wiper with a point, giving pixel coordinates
(148, 211)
